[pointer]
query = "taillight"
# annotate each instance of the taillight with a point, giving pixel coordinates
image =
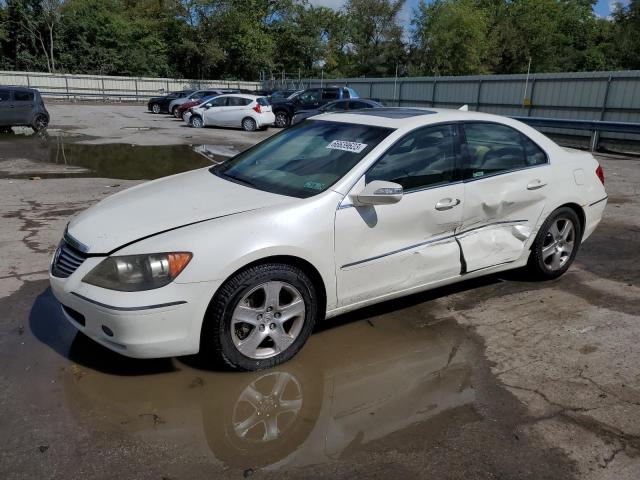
(600, 174)
(257, 108)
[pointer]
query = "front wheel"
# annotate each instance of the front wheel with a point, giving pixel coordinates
(175, 112)
(261, 317)
(556, 245)
(282, 120)
(196, 121)
(155, 108)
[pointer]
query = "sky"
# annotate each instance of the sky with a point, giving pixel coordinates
(603, 8)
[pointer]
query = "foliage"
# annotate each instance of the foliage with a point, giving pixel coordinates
(247, 38)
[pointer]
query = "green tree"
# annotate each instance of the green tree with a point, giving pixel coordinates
(450, 38)
(375, 38)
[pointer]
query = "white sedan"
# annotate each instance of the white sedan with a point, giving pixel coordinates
(236, 110)
(240, 260)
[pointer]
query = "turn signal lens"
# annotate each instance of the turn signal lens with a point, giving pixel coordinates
(177, 262)
(600, 174)
(134, 273)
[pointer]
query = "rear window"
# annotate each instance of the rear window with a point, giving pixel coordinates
(263, 102)
(23, 96)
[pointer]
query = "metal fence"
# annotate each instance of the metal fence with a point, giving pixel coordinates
(109, 87)
(611, 96)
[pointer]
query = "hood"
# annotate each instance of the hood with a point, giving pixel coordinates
(162, 205)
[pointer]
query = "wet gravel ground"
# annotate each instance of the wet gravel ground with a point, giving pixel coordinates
(491, 378)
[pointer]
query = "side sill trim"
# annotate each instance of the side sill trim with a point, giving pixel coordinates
(128, 309)
(601, 200)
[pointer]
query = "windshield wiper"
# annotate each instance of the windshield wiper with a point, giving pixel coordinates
(238, 179)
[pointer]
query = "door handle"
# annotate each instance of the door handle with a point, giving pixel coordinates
(535, 184)
(447, 203)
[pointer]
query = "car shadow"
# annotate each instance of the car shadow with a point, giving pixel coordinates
(50, 327)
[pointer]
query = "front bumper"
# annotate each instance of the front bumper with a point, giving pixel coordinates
(164, 322)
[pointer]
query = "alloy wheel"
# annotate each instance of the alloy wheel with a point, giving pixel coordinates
(249, 124)
(155, 108)
(196, 122)
(558, 244)
(282, 120)
(267, 320)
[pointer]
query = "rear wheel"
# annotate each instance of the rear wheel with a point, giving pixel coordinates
(196, 121)
(155, 108)
(40, 123)
(261, 317)
(556, 245)
(249, 124)
(282, 119)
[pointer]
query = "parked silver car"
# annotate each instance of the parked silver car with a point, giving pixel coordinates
(22, 107)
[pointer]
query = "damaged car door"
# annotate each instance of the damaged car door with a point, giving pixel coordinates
(385, 249)
(506, 176)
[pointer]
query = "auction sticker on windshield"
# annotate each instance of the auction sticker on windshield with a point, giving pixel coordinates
(354, 147)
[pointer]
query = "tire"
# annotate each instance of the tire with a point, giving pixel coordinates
(281, 326)
(155, 108)
(282, 119)
(249, 124)
(40, 123)
(555, 248)
(196, 121)
(174, 112)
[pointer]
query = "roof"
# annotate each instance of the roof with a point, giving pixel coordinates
(243, 95)
(409, 117)
(14, 88)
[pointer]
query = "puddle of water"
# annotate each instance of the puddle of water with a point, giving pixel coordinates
(348, 387)
(120, 161)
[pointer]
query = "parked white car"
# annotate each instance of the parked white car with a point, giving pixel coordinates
(342, 211)
(238, 110)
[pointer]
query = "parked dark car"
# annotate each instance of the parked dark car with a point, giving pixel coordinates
(311, 98)
(282, 95)
(161, 104)
(337, 106)
(22, 107)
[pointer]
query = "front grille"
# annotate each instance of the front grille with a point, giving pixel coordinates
(66, 260)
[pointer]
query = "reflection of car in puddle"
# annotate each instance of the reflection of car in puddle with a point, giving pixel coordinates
(351, 385)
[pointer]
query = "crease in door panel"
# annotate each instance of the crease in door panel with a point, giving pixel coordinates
(463, 262)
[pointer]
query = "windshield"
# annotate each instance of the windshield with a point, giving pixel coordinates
(303, 160)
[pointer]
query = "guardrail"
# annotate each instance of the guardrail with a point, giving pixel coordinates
(594, 126)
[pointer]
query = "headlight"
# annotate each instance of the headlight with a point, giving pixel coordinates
(133, 273)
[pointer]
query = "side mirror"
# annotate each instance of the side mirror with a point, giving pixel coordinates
(379, 192)
(208, 105)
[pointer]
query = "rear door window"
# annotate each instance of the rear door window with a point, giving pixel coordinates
(494, 148)
(238, 101)
(23, 96)
(330, 94)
